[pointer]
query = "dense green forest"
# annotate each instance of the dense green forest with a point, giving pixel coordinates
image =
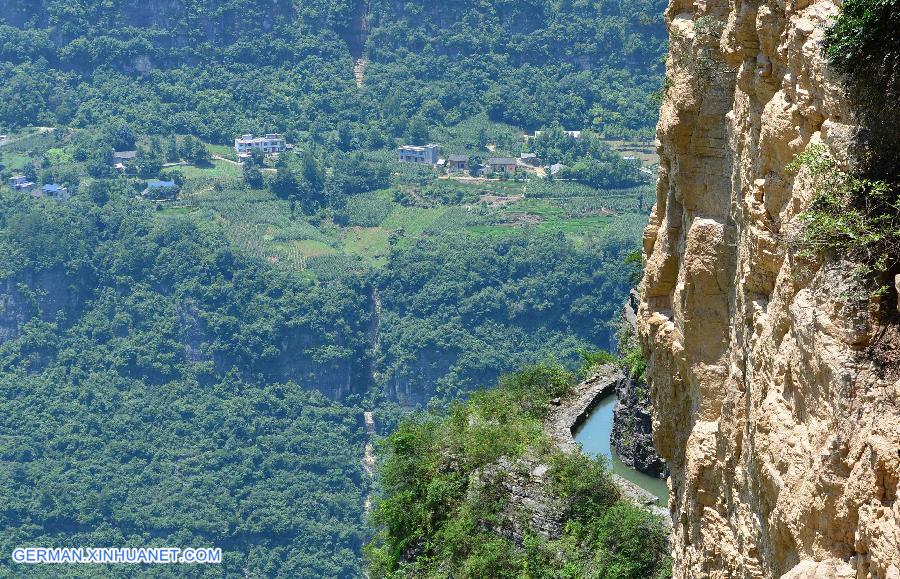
(448, 506)
(458, 311)
(189, 366)
(174, 349)
(220, 69)
(159, 388)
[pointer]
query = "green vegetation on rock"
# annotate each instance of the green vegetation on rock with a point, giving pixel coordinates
(864, 44)
(849, 218)
(447, 507)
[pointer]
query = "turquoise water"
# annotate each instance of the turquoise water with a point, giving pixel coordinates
(594, 433)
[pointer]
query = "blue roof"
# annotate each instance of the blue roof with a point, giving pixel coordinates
(52, 188)
(154, 184)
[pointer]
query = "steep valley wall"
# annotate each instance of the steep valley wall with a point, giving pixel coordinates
(775, 405)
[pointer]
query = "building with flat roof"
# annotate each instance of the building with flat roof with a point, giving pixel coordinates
(20, 183)
(268, 144)
(427, 154)
(55, 191)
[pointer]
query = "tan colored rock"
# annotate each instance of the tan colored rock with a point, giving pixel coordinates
(773, 406)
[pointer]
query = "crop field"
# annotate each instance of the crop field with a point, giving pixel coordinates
(464, 137)
(369, 209)
(217, 170)
(370, 243)
(23, 147)
(412, 220)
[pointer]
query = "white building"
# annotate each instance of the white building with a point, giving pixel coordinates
(412, 154)
(270, 143)
(20, 183)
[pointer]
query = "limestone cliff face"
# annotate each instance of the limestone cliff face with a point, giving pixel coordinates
(775, 396)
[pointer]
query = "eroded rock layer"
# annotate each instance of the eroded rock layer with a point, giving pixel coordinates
(775, 405)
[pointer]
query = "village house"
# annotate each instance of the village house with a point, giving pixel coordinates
(556, 168)
(457, 162)
(54, 191)
(502, 165)
(160, 189)
(268, 144)
(529, 160)
(427, 154)
(121, 159)
(20, 183)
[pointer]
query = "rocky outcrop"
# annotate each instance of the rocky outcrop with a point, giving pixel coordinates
(773, 402)
(528, 506)
(632, 430)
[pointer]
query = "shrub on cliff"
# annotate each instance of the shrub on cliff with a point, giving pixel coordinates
(864, 43)
(443, 512)
(850, 217)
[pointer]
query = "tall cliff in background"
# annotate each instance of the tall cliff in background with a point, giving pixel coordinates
(775, 395)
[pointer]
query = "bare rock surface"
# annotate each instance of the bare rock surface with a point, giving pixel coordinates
(776, 398)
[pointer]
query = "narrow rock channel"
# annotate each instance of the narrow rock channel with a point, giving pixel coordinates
(574, 410)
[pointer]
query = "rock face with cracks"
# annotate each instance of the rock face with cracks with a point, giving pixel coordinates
(776, 401)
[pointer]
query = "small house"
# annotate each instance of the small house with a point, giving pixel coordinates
(427, 154)
(20, 183)
(529, 160)
(160, 189)
(122, 159)
(271, 143)
(124, 156)
(54, 191)
(502, 165)
(457, 162)
(556, 168)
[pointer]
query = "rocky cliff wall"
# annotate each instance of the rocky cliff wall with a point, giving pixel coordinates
(632, 429)
(775, 406)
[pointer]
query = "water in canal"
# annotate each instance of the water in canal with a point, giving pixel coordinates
(594, 434)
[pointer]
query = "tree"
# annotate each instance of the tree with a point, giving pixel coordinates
(172, 153)
(149, 162)
(120, 136)
(195, 151)
(344, 137)
(301, 180)
(417, 133)
(99, 161)
(253, 177)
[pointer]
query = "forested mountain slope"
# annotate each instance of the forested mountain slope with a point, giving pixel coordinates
(159, 387)
(217, 69)
(192, 368)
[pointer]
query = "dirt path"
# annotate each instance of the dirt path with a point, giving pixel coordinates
(358, 68)
(221, 158)
(368, 461)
